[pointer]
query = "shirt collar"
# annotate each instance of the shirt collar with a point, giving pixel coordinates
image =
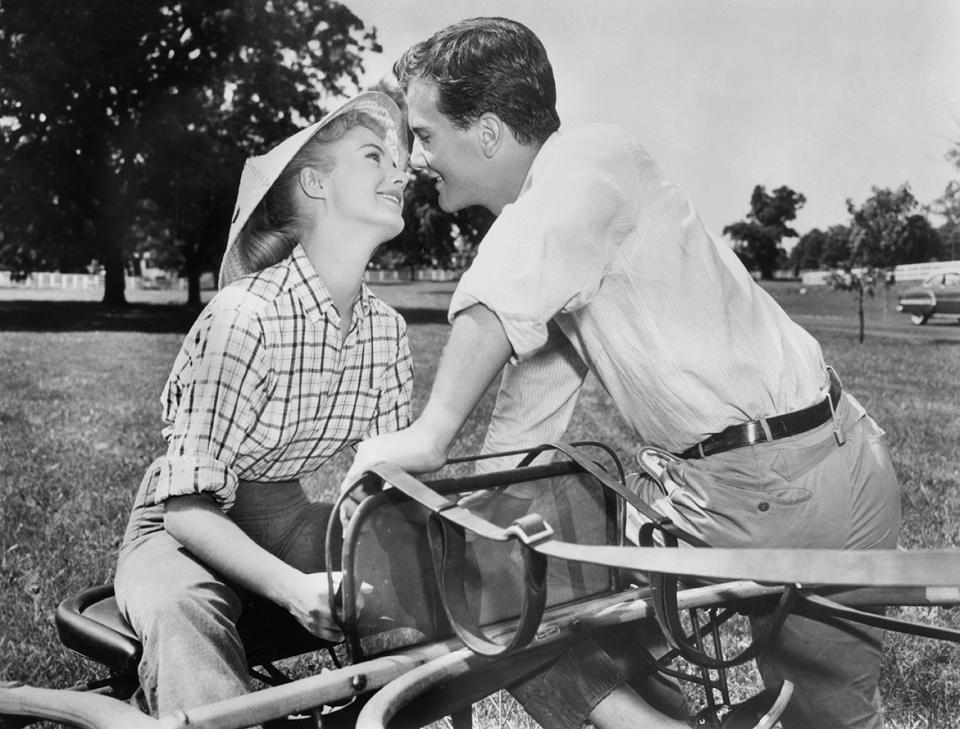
(311, 290)
(541, 154)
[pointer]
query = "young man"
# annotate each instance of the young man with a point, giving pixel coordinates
(596, 263)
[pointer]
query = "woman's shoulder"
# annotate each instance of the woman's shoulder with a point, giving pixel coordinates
(384, 312)
(241, 304)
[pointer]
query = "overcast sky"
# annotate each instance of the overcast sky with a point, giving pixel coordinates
(828, 97)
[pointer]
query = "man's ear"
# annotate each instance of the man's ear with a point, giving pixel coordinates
(311, 182)
(491, 131)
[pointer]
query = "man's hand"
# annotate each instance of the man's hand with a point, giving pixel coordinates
(412, 449)
(475, 353)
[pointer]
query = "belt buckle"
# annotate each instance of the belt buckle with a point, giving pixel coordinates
(755, 432)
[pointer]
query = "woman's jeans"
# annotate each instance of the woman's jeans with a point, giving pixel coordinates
(184, 613)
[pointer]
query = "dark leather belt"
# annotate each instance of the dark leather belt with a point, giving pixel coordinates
(781, 426)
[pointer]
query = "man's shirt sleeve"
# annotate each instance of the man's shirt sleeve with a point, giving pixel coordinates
(535, 402)
(214, 396)
(548, 251)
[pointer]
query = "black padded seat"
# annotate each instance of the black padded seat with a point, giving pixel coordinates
(90, 624)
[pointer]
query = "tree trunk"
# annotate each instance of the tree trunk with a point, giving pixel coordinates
(111, 252)
(860, 307)
(193, 286)
(110, 232)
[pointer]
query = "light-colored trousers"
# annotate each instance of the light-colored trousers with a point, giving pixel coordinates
(806, 491)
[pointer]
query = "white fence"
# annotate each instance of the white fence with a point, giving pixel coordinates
(87, 281)
(405, 274)
(66, 281)
(906, 272)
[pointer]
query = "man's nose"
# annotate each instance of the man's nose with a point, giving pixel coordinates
(417, 159)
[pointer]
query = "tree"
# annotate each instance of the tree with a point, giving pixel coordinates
(879, 232)
(880, 227)
(920, 242)
(760, 234)
(105, 104)
(836, 249)
(807, 252)
(949, 207)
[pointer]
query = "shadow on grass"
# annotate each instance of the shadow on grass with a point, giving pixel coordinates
(88, 316)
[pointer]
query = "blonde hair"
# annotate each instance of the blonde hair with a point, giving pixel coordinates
(276, 224)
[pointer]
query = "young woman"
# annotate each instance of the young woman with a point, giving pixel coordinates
(292, 360)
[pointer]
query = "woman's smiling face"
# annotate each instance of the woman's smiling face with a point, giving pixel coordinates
(364, 184)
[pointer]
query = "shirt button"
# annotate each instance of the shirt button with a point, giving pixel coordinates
(763, 506)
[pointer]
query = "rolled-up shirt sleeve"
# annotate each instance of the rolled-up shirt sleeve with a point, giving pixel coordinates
(212, 400)
(548, 251)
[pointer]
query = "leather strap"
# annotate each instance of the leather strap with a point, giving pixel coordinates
(876, 568)
(446, 528)
(842, 567)
(666, 610)
(448, 550)
(824, 610)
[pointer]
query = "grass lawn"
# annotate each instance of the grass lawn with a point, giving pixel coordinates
(79, 422)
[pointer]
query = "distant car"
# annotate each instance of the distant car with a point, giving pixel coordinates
(938, 295)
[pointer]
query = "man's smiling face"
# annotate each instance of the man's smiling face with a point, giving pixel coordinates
(450, 155)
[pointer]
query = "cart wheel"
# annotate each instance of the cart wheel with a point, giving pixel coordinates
(919, 319)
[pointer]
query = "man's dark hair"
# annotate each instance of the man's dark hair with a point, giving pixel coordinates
(487, 65)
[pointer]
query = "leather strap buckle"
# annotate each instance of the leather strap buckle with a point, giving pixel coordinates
(530, 529)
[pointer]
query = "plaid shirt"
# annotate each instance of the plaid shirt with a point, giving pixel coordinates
(263, 389)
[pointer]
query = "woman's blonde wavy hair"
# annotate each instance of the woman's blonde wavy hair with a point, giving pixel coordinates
(276, 224)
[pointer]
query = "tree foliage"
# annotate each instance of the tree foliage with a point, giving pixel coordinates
(880, 228)
(949, 207)
(759, 236)
(120, 117)
(819, 249)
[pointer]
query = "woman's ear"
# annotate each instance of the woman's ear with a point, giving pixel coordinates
(490, 131)
(311, 182)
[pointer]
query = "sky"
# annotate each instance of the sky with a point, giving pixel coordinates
(828, 97)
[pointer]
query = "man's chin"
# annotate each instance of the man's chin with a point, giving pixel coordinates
(448, 206)
(445, 200)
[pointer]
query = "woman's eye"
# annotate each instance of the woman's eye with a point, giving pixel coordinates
(375, 156)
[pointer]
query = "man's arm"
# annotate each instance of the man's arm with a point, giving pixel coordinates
(536, 400)
(475, 353)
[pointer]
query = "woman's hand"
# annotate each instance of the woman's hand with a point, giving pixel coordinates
(308, 600)
(196, 522)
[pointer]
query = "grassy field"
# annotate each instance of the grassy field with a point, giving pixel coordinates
(79, 421)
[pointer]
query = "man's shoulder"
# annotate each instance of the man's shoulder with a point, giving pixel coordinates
(595, 145)
(600, 135)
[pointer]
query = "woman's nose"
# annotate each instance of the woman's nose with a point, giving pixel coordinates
(401, 177)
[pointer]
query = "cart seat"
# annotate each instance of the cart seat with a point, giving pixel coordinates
(90, 624)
